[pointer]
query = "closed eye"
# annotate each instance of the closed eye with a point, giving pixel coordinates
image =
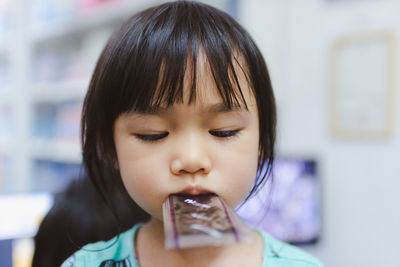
(151, 137)
(224, 134)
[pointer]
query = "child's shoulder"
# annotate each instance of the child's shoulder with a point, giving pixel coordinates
(279, 254)
(103, 253)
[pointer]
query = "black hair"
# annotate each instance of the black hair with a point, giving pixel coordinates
(144, 65)
(78, 217)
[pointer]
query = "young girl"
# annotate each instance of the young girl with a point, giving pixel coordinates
(180, 102)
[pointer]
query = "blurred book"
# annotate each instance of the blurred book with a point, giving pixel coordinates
(58, 122)
(42, 12)
(51, 176)
(22, 252)
(7, 123)
(49, 12)
(84, 5)
(5, 75)
(6, 253)
(71, 58)
(67, 121)
(44, 119)
(6, 17)
(6, 179)
(57, 64)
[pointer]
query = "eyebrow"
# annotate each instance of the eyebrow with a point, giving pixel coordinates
(209, 109)
(221, 108)
(152, 110)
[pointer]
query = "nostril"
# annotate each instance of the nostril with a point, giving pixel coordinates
(184, 171)
(177, 167)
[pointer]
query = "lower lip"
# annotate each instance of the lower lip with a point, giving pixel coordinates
(195, 192)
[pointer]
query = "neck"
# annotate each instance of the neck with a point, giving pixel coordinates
(152, 236)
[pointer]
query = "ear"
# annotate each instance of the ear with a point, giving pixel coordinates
(259, 154)
(116, 165)
(112, 157)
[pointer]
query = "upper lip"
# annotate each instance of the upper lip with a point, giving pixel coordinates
(195, 190)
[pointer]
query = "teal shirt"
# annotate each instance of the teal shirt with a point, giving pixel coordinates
(121, 252)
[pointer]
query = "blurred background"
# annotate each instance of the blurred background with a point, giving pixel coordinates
(334, 68)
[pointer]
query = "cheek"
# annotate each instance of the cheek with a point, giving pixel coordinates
(243, 177)
(240, 167)
(141, 184)
(135, 162)
(142, 173)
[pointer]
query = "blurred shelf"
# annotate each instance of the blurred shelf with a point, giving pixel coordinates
(6, 101)
(58, 92)
(6, 146)
(63, 48)
(91, 18)
(4, 49)
(59, 151)
(4, 45)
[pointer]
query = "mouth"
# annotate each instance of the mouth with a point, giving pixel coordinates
(191, 191)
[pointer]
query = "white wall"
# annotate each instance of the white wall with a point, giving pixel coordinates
(361, 179)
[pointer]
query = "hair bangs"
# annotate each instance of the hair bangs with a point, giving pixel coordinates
(164, 62)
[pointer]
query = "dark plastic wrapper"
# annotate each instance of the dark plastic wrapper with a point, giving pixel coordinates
(205, 220)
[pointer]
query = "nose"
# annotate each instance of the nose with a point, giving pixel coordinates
(191, 157)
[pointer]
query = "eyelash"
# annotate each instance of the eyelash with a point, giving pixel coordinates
(224, 134)
(157, 137)
(151, 137)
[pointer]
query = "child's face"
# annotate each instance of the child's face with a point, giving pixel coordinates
(192, 149)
